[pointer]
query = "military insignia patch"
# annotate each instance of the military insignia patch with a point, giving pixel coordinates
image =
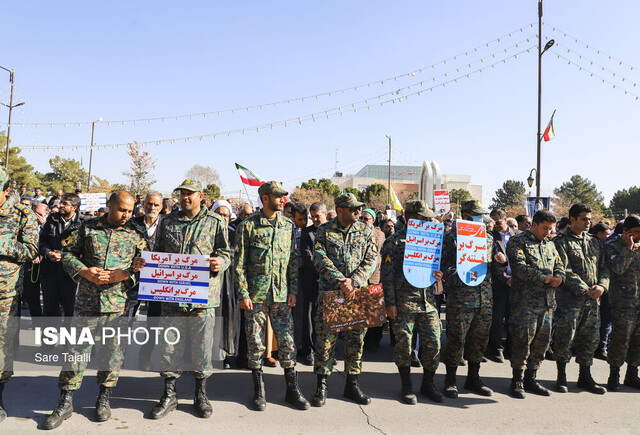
(317, 245)
(142, 245)
(68, 240)
(387, 259)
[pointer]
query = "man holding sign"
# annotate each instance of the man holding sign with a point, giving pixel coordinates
(413, 307)
(192, 230)
(466, 256)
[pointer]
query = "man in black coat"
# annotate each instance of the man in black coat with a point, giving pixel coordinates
(58, 288)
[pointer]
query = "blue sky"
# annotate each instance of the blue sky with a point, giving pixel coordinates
(78, 61)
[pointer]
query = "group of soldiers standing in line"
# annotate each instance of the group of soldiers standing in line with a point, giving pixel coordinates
(103, 256)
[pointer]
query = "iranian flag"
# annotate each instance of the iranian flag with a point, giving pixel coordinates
(549, 133)
(249, 177)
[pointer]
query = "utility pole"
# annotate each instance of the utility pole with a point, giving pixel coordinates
(389, 181)
(12, 74)
(541, 51)
(93, 128)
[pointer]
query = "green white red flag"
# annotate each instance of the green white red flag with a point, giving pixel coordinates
(549, 133)
(248, 177)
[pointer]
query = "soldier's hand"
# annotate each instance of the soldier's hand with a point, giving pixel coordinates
(437, 274)
(215, 263)
(548, 279)
(595, 291)
(37, 260)
(627, 240)
(556, 281)
(291, 300)
(346, 285)
(91, 274)
(111, 275)
(500, 257)
(54, 256)
(509, 281)
(246, 304)
(392, 312)
(138, 264)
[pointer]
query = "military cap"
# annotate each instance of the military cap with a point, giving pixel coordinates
(190, 184)
(348, 200)
(418, 207)
(474, 206)
(4, 176)
(272, 187)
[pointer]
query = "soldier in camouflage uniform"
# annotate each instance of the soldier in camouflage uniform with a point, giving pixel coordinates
(536, 272)
(18, 244)
(267, 284)
(468, 311)
(622, 255)
(577, 318)
(411, 308)
(191, 230)
(345, 258)
(99, 256)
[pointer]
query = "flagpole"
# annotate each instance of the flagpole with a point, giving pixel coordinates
(248, 197)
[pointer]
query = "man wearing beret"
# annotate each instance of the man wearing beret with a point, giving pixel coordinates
(266, 267)
(345, 259)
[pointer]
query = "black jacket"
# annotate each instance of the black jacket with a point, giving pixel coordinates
(307, 275)
(51, 237)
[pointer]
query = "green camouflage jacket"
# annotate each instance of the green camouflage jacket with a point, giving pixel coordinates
(531, 261)
(458, 293)
(338, 254)
(265, 259)
(97, 243)
(585, 266)
(204, 234)
(18, 243)
(624, 266)
(397, 290)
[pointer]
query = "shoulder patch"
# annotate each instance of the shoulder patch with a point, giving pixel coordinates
(318, 245)
(67, 241)
(387, 259)
(142, 245)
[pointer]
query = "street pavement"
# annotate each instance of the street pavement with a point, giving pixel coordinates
(32, 393)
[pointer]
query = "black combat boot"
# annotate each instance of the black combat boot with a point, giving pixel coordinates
(321, 392)
(613, 384)
(103, 410)
(473, 381)
(533, 386)
(517, 384)
(631, 378)
(406, 391)
(586, 382)
(294, 395)
(200, 400)
(561, 382)
(3, 413)
(428, 388)
(450, 387)
(168, 402)
(352, 391)
(61, 412)
(259, 401)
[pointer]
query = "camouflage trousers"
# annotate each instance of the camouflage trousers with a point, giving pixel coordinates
(624, 341)
(325, 353)
(9, 328)
(192, 349)
(428, 329)
(576, 324)
(468, 330)
(530, 332)
(255, 322)
(110, 355)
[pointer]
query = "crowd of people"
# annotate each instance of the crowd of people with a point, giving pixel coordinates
(554, 289)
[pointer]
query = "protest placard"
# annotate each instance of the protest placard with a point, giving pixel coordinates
(471, 258)
(535, 204)
(366, 310)
(174, 278)
(92, 201)
(422, 252)
(441, 201)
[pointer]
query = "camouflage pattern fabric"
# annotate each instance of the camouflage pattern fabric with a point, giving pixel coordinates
(427, 325)
(97, 243)
(255, 322)
(531, 301)
(196, 328)
(342, 253)
(416, 307)
(204, 234)
(266, 264)
(624, 297)
(468, 307)
(578, 316)
(18, 244)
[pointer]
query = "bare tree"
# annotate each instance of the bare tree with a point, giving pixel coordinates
(142, 168)
(204, 174)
